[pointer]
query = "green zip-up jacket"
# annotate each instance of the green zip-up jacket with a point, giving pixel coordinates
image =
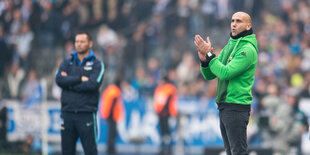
(235, 69)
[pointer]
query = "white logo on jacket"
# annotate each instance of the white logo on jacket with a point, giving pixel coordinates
(88, 66)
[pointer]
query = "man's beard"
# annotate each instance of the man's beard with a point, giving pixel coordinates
(83, 52)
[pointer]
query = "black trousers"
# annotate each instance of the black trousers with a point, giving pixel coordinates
(111, 137)
(78, 125)
(233, 125)
(165, 135)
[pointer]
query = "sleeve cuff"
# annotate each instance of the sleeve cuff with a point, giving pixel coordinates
(204, 64)
(211, 62)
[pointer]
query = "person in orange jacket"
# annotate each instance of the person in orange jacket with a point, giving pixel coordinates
(112, 110)
(165, 105)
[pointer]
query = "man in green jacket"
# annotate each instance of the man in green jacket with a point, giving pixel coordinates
(235, 69)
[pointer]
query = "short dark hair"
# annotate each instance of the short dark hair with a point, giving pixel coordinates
(87, 34)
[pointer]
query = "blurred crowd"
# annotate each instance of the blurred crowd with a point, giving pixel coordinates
(144, 40)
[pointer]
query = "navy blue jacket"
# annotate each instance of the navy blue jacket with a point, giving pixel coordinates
(78, 96)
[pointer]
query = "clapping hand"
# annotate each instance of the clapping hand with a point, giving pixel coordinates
(203, 47)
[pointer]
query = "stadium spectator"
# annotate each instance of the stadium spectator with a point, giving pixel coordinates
(111, 109)
(30, 86)
(5, 55)
(24, 43)
(13, 82)
(165, 106)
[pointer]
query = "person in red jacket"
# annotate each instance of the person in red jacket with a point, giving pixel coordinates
(165, 105)
(111, 110)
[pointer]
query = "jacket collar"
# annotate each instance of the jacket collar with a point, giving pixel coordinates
(242, 34)
(91, 56)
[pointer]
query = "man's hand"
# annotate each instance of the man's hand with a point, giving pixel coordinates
(204, 50)
(84, 78)
(202, 57)
(203, 47)
(62, 73)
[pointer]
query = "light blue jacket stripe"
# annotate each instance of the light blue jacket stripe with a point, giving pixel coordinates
(101, 72)
(95, 126)
(56, 72)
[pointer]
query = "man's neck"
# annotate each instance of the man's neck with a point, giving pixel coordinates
(81, 56)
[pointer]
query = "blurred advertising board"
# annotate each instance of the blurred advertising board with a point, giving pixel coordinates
(195, 126)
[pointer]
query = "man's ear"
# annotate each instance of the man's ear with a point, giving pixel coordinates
(90, 44)
(249, 26)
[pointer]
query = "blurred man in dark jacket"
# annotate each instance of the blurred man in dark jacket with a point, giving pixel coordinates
(80, 78)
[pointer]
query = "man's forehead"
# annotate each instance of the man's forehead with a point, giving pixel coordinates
(81, 36)
(241, 15)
